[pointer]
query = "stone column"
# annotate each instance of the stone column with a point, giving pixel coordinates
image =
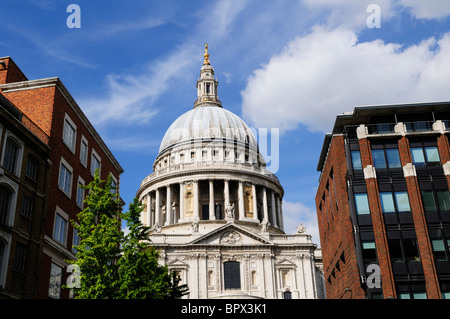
(226, 193)
(148, 222)
(265, 209)
(241, 200)
(196, 206)
(273, 211)
(255, 204)
(157, 207)
(280, 213)
(168, 205)
(211, 200)
(181, 201)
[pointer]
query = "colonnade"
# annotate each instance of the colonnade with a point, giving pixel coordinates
(205, 199)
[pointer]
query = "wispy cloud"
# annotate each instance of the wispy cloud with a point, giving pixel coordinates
(113, 29)
(132, 98)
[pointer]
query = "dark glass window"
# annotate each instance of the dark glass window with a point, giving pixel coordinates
(392, 202)
(5, 198)
(434, 200)
(232, 275)
(11, 155)
(422, 156)
(356, 160)
(369, 251)
(32, 168)
(385, 158)
(378, 159)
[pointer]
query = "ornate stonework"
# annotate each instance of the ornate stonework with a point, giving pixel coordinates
(216, 211)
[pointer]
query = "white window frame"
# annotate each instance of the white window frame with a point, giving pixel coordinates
(64, 216)
(17, 168)
(80, 181)
(75, 233)
(68, 120)
(7, 238)
(115, 181)
(60, 283)
(99, 159)
(70, 169)
(12, 206)
(84, 160)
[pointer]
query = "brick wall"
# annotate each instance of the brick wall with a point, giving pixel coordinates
(335, 227)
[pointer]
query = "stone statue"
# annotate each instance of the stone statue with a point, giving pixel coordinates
(195, 225)
(301, 229)
(264, 225)
(157, 228)
(229, 212)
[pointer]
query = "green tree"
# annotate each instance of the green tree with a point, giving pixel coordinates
(114, 265)
(141, 275)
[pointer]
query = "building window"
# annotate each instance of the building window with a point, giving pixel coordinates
(76, 240)
(400, 204)
(95, 163)
(80, 193)
(362, 204)
(69, 133)
(84, 151)
(5, 202)
(54, 288)
(440, 248)
(436, 200)
(287, 295)
(4, 248)
(386, 158)
(11, 155)
(20, 257)
(114, 189)
(32, 168)
(356, 160)
(403, 250)
(65, 177)
(368, 250)
(60, 229)
(422, 156)
(27, 206)
(232, 275)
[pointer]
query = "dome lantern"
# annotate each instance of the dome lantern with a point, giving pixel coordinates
(207, 84)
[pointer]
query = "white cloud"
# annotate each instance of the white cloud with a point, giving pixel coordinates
(429, 9)
(130, 97)
(295, 213)
(328, 72)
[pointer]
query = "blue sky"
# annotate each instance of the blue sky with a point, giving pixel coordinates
(293, 65)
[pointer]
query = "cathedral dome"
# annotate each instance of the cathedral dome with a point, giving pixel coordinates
(207, 123)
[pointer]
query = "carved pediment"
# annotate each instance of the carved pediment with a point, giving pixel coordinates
(231, 235)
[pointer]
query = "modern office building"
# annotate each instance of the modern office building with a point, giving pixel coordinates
(383, 202)
(76, 151)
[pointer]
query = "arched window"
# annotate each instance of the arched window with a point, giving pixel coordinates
(10, 158)
(5, 200)
(232, 274)
(2, 259)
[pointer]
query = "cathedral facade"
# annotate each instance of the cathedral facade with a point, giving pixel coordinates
(215, 211)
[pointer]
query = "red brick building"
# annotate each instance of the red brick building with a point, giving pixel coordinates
(76, 151)
(383, 203)
(24, 178)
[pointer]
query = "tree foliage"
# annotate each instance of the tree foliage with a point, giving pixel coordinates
(113, 264)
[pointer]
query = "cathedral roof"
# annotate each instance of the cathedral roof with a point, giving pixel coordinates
(205, 123)
(208, 120)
